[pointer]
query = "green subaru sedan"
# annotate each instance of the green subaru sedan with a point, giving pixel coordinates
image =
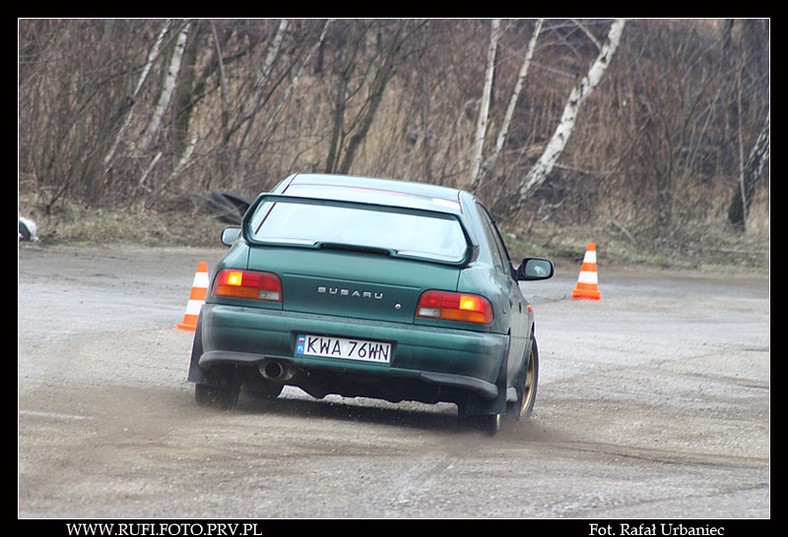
(369, 287)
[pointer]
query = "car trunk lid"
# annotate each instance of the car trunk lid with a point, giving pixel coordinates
(352, 284)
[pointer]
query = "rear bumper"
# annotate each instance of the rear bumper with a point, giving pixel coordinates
(456, 359)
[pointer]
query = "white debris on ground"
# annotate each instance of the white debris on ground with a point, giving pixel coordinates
(28, 230)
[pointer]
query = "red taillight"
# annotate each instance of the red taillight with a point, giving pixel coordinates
(451, 306)
(248, 284)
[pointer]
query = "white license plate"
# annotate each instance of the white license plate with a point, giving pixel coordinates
(337, 347)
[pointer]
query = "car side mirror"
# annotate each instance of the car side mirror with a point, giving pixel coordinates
(230, 235)
(535, 268)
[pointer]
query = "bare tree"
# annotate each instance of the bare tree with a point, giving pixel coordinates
(577, 97)
(745, 55)
(347, 57)
(503, 133)
(254, 100)
(751, 174)
(291, 87)
(115, 112)
(371, 74)
(484, 106)
(84, 89)
(167, 89)
(153, 55)
(377, 89)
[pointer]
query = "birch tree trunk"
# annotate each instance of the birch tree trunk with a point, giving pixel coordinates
(272, 115)
(153, 54)
(558, 142)
(181, 165)
(168, 87)
(750, 176)
(252, 105)
(489, 163)
(484, 108)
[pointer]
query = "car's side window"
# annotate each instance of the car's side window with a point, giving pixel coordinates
(500, 255)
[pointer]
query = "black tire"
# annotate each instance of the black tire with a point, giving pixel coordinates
(486, 423)
(228, 207)
(215, 396)
(489, 423)
(263, 389)
(484, 415)
(527, 392)
(469, 418)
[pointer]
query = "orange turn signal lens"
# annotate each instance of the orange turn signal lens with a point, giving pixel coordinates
(234, 278)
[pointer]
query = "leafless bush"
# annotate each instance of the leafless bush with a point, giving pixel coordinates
(658, 148)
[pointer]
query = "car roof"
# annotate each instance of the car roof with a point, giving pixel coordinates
(392, 192)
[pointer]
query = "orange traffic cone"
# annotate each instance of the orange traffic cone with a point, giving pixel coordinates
(587, 283)
(196, 299)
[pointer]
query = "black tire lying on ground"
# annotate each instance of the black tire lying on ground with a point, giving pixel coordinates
(228, 206)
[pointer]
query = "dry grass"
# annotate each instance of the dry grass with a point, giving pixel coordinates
(188, 223)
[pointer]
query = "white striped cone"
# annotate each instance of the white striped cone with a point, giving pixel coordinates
(588, 283)
(196, 298)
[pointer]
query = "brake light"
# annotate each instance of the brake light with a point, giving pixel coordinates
(451, 306)
(248, 284)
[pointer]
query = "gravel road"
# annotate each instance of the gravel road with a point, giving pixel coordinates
(653, 403)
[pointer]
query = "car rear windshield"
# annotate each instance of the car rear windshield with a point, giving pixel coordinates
(394, 231)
